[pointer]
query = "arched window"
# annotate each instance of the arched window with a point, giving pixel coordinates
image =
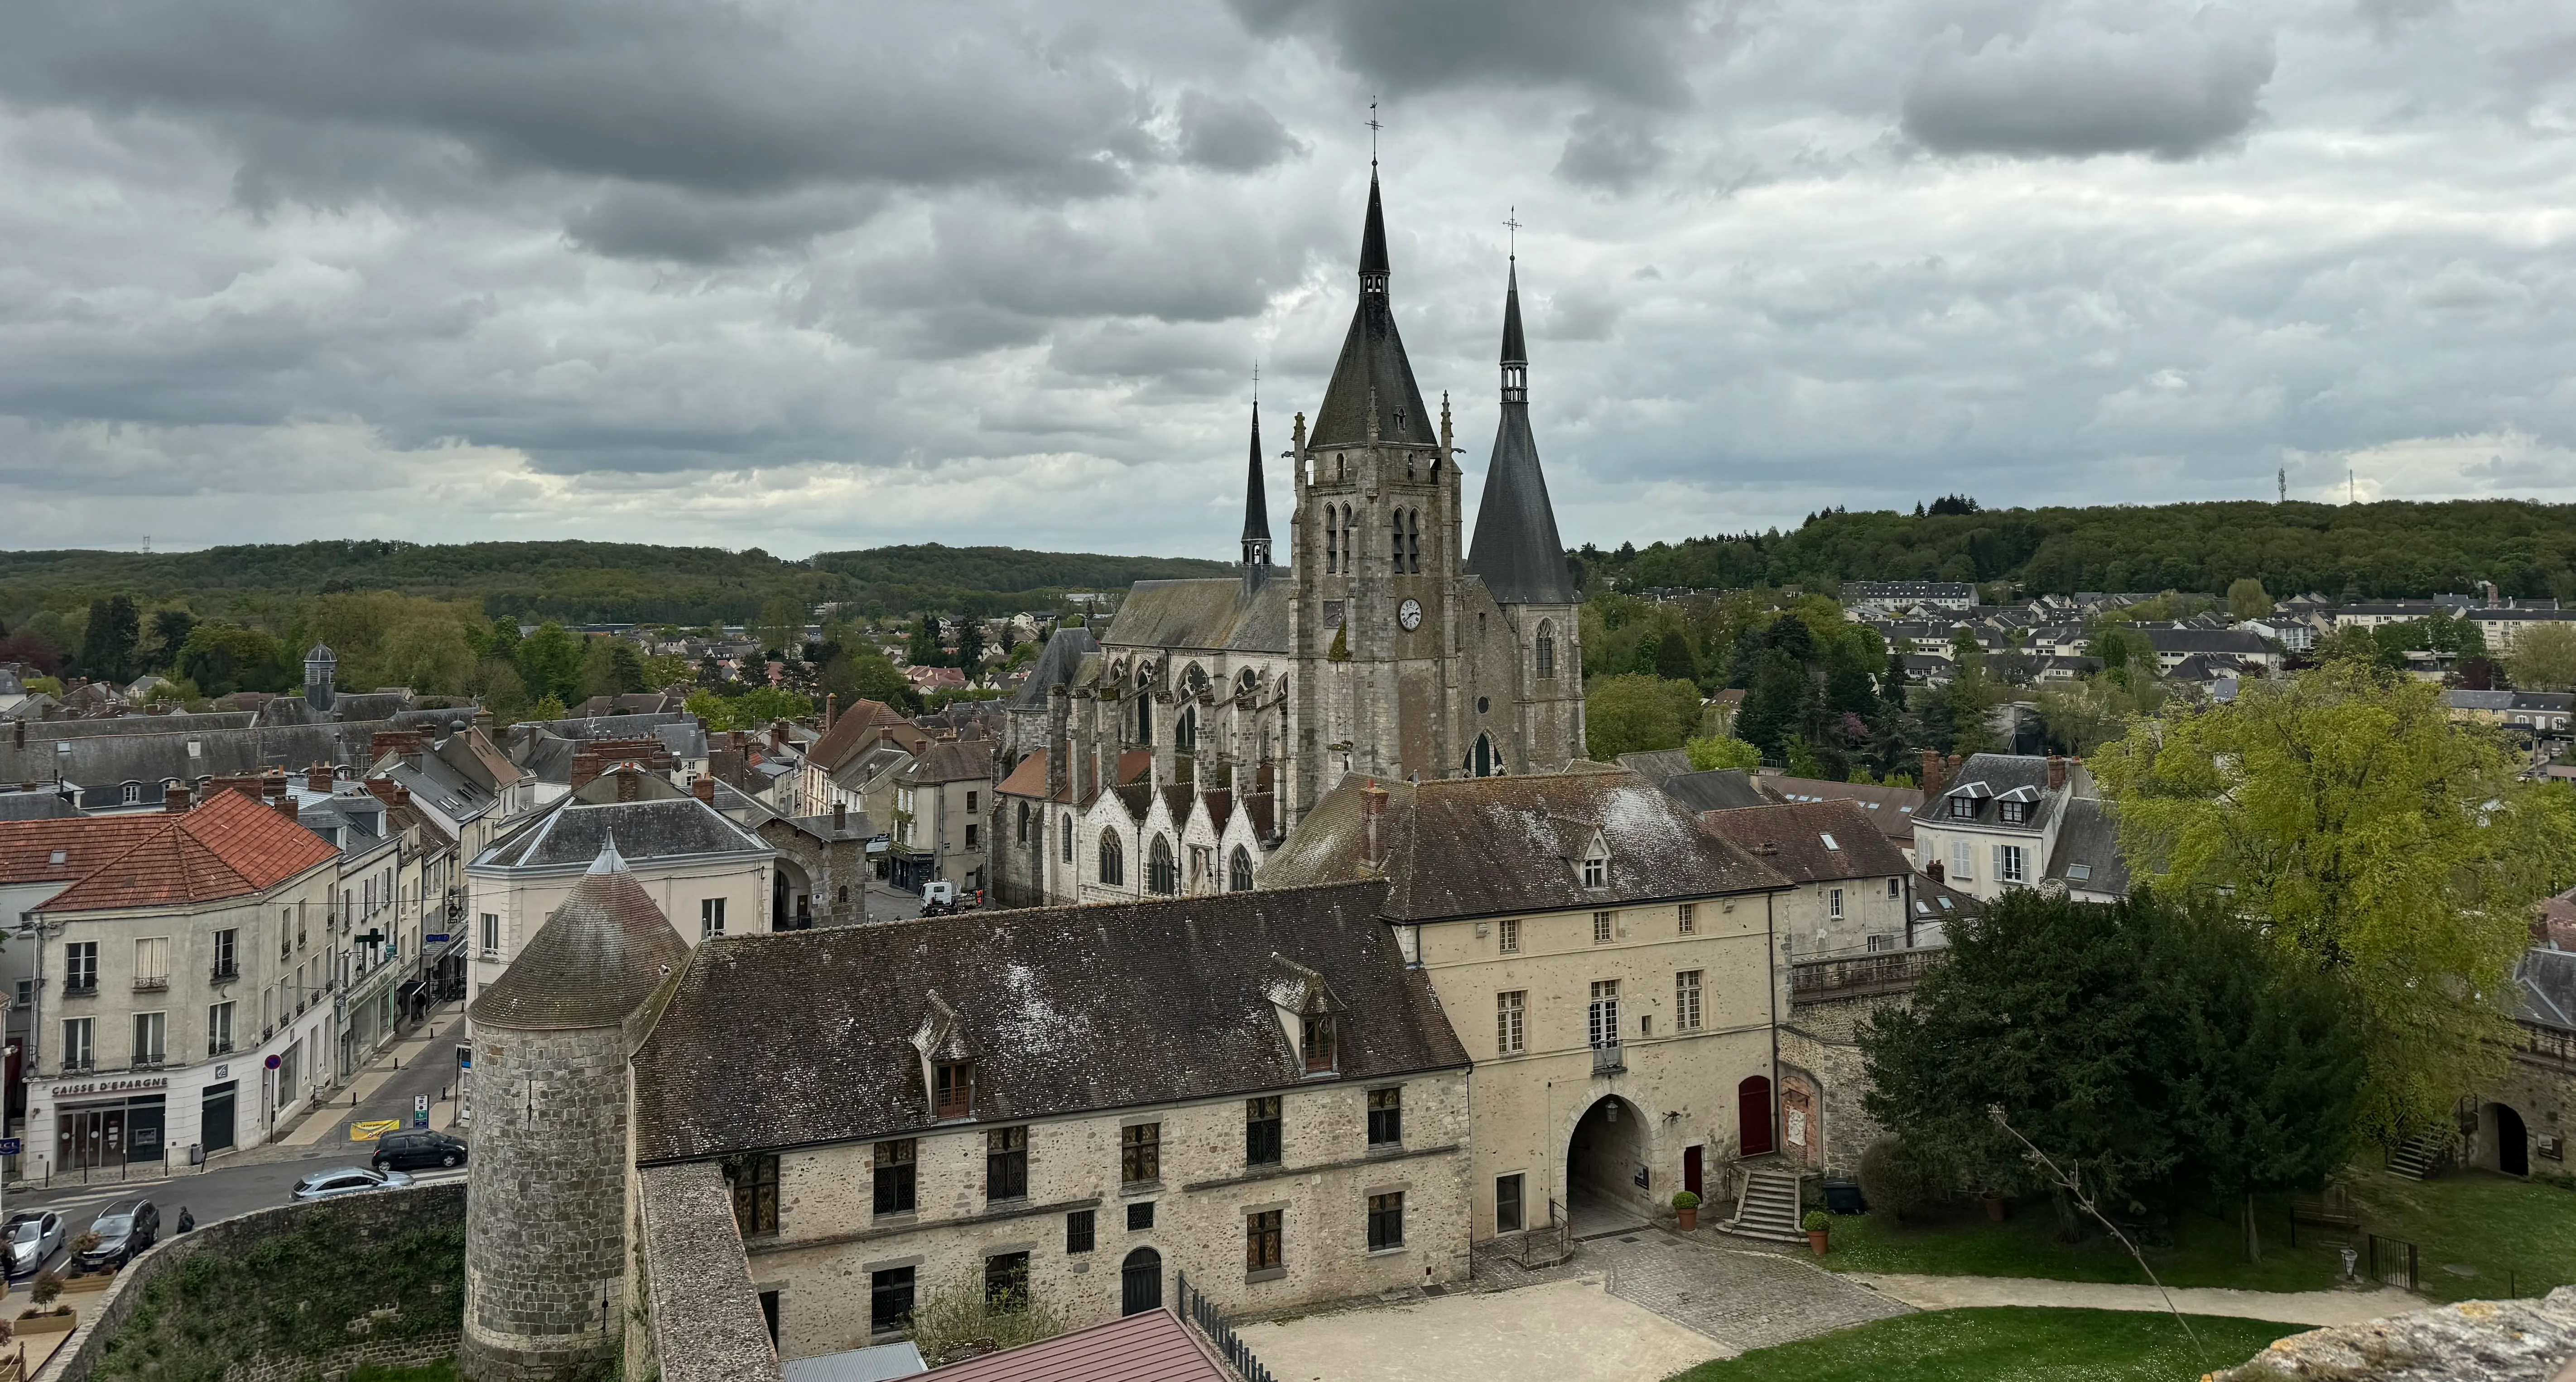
(1395, 551)
(1350, 539)
(1546, 648)
(1068, 839)
(131, 793)
(1485, 764)
(1238, 871)
(845, 895)
(1024, 823)
(1332, 540)
(1113, 860)
(1185, 731)
(1144, 719)
(1163, 872)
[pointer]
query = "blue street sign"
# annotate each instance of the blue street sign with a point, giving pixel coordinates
(10, 1146)
(464, 1056)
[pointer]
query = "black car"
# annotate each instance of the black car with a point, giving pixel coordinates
(124, 1228)
(410, 1151)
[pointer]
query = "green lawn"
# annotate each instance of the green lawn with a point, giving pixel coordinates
(2004, 1345)
(2477, 1235)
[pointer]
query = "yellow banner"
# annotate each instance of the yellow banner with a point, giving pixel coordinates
(369, 1132)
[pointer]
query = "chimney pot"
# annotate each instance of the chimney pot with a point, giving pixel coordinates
(1934, 871)
(174, 797)
(704, 789)
(840, 817)
(286, 807)
(319, 778)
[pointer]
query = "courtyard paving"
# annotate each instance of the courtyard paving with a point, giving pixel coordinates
(1627, 1307)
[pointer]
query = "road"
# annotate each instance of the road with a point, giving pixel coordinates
(258, 1177)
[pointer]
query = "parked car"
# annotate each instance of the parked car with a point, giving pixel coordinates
(31, 1239)
(346, 1180)
(941, 893)
(405, 1151)
(124, 1228)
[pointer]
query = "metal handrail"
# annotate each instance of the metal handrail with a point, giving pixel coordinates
(1199, 1311)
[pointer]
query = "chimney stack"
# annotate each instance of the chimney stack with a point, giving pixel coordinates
(1934, 871)
(2056, 773)
(286, 808)
(704, 789)
(629, 783)
(840, 817)
(831, 709)
(388, 791)
(1932, 776)
(1374, 809)
(319, 778)
(174, 797)
(585, 766)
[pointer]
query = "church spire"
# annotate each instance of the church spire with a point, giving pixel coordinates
(1256, 504)
(1516, 549)
(1372, 389)
(1373, 270)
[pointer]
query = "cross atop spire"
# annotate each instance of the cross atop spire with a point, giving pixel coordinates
(1512, 220)
(1373, 127)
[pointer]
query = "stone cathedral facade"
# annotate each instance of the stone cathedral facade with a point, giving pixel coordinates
(1171, 753)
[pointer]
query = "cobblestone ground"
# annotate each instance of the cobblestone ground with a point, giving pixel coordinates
(1740, 1295)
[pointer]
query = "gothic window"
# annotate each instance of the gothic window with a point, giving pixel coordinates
(1546, 648)
(1068, 839)
(1413, 541)
(1113, 860)
(1185, 731)
(1163, 872)
(1484, 765)
(1024, 823)
(1238, 871)
(1350, 539)
(1144, 719)
(1332, 540)
(1395, 549)
(1194, 679)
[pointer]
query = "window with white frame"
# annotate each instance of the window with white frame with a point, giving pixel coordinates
(711, 918)
(1686, 985)
(149, 1029)
(1834, 903)
(1509, 932)
(1510, 1011)
(152, 962)
(1601, 1024)
(491, 933)
(1596, 870)
(1689, 914)
(1881, 942)
(1963, 856)
(1601, 927)
(2008, 864)
(80, 1051)
(219, 1028)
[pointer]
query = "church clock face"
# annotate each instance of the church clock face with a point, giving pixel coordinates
(1409, 614)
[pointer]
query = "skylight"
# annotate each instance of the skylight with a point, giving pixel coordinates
(2079, 872)
(1828, 839)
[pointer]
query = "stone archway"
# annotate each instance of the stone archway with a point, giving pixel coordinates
(1608, 1183)
(2506, 1139)
(791, 902)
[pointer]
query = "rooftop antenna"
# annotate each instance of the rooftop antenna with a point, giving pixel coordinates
(1512, 221)
(2282, 477)
(1373, 128)
(2351, 488)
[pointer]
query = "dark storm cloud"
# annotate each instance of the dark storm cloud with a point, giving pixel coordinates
(1628, 50)
(1609, 151)
(648, 222)
(1232, 135)
(755, 101)
(2073, 90)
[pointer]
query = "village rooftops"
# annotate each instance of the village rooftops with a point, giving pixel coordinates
(1812, 842)
(1061, 1010)
(1494, 846)
(967, 761)
(228, 846)
(657, 822)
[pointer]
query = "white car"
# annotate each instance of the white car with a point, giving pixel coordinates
(31, 1238)
(941, 893)
(346, 1180)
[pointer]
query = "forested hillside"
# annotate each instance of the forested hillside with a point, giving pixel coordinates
(2368, 551)
(575, 581)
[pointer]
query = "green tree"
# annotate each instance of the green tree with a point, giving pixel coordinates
(781, 627)
(868, 675)
(222, 657)
(549, 661)
(922, 647)
(1626, 714)
(2379, 841)
(2247, 599)
(750, 710)
(611, 667)
(115, 630)
(1673, 660)
(970, 646)
(495, 685)
(549, 707)
(2543, 658)
(666, 669)
(1779, 703)
(1717, 752)
(170, 629)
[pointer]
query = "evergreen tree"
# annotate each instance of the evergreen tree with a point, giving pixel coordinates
(1777, 706)
(1673, 660)
(923, 648)
(107, 649)
(170, 629)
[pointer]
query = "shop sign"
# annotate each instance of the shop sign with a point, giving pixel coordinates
(370, 1131)
(81, 1091)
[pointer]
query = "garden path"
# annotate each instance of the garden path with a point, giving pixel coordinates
(2284, 1307)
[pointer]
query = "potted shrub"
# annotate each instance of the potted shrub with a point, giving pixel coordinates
(1994, 1202)
(1819, 1226)
(1686, 1207)
(46, 1289)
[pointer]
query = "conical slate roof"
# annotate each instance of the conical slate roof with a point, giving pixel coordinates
(1516, 549)
(592, 964)
(1372, 364)
(1256, 497)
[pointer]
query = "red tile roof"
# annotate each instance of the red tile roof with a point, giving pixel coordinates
(27, 848)
(1150, 1346)
(231, 846)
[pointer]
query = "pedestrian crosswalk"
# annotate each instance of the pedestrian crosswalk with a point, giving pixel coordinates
(437, 1177)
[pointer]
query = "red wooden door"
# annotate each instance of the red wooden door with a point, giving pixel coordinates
(1753, 1114)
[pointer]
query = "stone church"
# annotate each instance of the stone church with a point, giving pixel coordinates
(1171, 754)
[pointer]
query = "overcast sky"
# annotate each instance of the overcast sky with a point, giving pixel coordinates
(815, 276)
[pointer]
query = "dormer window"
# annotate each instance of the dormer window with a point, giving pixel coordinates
(1963, 808)
(949, 1082)
(1316, 1037)
(1596, 863)
(2015, 812)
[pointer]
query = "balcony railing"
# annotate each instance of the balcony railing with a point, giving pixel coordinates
(219, 1046)
(151, 983)
(1609, 1059)
(154, 1061)
(223, 973)
(81, 988)
(1894, 969)
(2549, 1042)
(81, 1065)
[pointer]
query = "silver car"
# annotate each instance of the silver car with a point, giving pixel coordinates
(347, 1180)
(31, 1240)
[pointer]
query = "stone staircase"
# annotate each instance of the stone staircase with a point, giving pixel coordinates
(1767, 1208)
(2419, 1157)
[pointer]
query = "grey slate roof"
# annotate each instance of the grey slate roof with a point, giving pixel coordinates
(2548, 981)
(1655, 765)
(592, 964)
(1516, 548)
(1214, 613)
(572, 832)
(1256, 494)
(1056, 665)
(36, 806)
(1792, 838)
(1719, 789)
(2088, 849)
(1372, 364)
(967, 761)
(806, 1037)
(1468, 847)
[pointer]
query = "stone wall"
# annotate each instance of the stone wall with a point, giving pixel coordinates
(2473, 1341)
(295, 1292)
(545, 1229)
(2542, 1090)
(702, 1320)
(1820, 1051)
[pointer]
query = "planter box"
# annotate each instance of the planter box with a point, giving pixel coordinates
(46, 1324)
(95, 1281)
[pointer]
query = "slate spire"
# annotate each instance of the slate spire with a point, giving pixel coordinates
(1373, 371)
(1516, 549)
(1256, 503)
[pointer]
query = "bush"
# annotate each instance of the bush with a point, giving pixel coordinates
(1683, 1199)
(47, 1287)
(1817, 1221)
(1898, 1180)
(962, 1320)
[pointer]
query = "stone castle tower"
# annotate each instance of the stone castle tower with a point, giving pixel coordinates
(1415, 655)
(546, 1211)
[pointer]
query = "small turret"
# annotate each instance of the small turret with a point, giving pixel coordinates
(1256, 510)
(319, 667)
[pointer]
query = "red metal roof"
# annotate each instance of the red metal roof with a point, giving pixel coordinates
(230, 846)
(1150, 1347)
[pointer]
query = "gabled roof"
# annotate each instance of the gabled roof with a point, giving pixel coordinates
(1891, 809)
(1148, 1346)
(1719, 789)
(666, 823)
(592, 964)
(967, 761)
(2547, 981)
(1068, 1009)
(230, 846)
(1056, 665)
(1468, 847)
(1212, 614)
(1812, 842)
(854, 727)
(1029, 779)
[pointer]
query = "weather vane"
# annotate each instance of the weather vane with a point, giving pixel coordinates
(1512, 219)
(1374, 127)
